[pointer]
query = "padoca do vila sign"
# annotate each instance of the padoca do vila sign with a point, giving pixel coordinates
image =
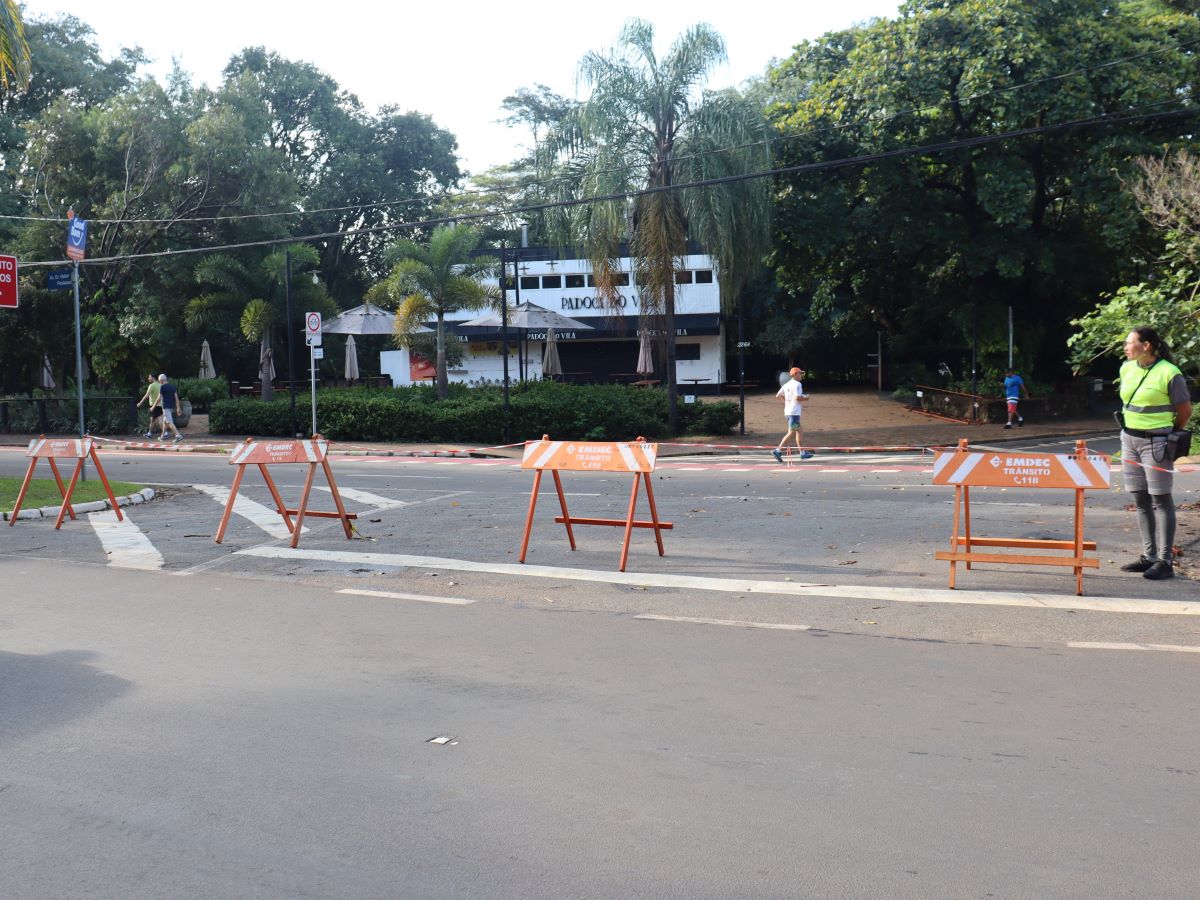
(8, 282)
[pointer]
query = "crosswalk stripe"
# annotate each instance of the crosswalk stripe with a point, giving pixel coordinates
(393, 595)
(737, 623)
(264, 517)
(363, 496)
(123, 541)
(1112, 645)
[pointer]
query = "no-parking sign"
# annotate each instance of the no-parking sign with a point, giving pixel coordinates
(312, 329)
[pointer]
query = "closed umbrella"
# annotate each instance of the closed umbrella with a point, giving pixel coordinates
(46, 376)
(207, 369)
(351, 360)
(551, 365)
(266, 362)
(645, 363)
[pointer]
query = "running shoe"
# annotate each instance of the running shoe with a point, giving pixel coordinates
(778, 454)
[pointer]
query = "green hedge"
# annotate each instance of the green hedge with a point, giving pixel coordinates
(475, 415)
(103, 414)
(201, 392)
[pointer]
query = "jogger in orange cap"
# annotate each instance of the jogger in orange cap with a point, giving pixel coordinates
(793, 396)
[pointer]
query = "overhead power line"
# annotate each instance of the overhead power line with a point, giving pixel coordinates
(773, 141)
(1128, 118)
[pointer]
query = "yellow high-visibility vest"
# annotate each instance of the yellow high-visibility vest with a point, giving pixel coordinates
(1145, 395)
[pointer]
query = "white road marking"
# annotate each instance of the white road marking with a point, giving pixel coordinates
(744, 586)
(775, 626)
(364, 497)
(833, 470)
(265, 518)
(126, 546)
(424, 598)
(1104, 645)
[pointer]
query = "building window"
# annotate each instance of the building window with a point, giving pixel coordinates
(529, 283)
(574, 281)
(687, 351)
(683, 277)
(621, 279)
(551, 281)
(704, 276)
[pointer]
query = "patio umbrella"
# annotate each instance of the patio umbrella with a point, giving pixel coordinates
(207, 369)
(46, 376)
(365, 319)
(551, 365)
(351, 360)
(266, 361)
(645, 363)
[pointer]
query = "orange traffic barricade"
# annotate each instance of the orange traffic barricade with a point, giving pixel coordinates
(312, 453)
(965, 468)
(636, 457)
(50, 449)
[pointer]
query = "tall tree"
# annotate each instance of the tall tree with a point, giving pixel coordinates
(430, 280)
(928, 247)
(644, 131)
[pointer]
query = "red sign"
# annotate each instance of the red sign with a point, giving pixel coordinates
(8, 282)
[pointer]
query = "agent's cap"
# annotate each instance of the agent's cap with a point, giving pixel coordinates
(795, 370)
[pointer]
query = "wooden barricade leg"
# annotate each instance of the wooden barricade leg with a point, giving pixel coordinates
(337, 500)
(967, 522)
(67, 496)
(279, 504)
(954, 534)
(654, 515)
(62, 488)
(233, 492)
(629, 519)
(537, 484)
(308, 483)
(1079, 542)
(12, 519)
(104, 481)
(562, 501)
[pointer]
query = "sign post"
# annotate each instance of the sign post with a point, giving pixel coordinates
(8, 282)
(312, 337)
(77, 250)
(965, 468)
(636, 456)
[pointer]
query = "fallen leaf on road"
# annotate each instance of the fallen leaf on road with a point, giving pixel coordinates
(848, 562)
(870, 622)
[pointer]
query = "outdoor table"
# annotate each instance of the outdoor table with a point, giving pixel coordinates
(695, 380)
(646, 382)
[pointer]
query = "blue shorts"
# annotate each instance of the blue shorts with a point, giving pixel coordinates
(793, 422)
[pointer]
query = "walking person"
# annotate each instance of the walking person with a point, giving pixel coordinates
(171, 408)
(155, 406)
(793, 397)
(1014, 387)
(1154, 402)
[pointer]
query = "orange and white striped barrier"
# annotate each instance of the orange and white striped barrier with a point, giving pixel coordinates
(965, 468)
(50, 449)
(313, 453)
(636, 457)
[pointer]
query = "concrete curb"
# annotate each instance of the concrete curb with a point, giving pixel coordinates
(51, 512)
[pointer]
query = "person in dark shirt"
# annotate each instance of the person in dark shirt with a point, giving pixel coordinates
(169, 398)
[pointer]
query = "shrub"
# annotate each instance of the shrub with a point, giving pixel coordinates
(475, 415)
(201, 392)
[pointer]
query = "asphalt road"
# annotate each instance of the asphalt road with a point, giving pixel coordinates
(232, 723)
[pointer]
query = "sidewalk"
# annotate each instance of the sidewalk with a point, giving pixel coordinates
(835, 420)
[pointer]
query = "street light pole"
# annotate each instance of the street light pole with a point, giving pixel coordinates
(287, 290)
(504, 337)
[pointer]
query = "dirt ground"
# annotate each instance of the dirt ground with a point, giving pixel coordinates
(841, 416)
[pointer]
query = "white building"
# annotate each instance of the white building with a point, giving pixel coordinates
(607, 352)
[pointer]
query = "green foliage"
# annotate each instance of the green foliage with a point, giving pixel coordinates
(914, 245)
(103, 413)
(201, 392)
(476, 415)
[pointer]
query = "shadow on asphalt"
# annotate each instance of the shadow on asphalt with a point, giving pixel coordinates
(39, 693)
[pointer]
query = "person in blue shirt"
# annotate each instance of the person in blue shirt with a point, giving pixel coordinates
(1014, 389)
(168, 395)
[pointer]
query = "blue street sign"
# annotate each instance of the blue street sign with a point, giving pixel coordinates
(77, 239)
(58, 280)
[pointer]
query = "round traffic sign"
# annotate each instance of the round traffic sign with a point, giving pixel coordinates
(312, 322)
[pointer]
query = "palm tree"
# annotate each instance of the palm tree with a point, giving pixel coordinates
(251, 298)
(644, 129)
(14, 51)
(430, 280)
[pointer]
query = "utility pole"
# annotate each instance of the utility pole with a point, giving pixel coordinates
(504, 336)
(287, 290)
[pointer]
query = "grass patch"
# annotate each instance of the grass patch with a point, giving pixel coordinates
(44, 491)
